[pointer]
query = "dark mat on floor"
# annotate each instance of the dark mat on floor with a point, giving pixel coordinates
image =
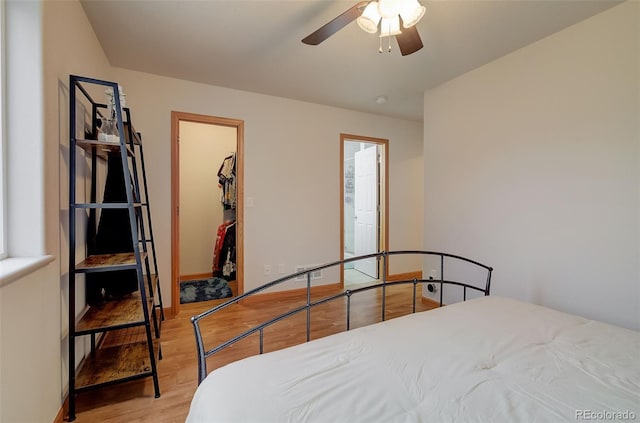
(204, 290)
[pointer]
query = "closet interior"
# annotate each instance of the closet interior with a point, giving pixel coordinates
(208, 187)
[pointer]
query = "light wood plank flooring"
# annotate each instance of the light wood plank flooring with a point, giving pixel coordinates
(135, 402)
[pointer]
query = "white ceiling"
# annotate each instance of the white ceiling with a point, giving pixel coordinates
(255, 45)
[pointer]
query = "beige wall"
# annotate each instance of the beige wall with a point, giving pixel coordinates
(31, 345)
(203, 148)
(532, 166)
(33, 308)
(292, 173)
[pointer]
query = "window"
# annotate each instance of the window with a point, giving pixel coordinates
(21, 141)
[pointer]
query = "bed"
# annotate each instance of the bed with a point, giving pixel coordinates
(487, 359)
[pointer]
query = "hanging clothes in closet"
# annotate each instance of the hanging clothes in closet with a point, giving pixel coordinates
(224, 254)
(227, 182)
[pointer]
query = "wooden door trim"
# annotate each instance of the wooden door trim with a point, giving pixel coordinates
(176, 118)
(385, 194)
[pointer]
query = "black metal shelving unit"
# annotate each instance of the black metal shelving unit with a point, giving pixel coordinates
(124, 333)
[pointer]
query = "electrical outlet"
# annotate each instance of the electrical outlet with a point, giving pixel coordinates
(281, 268)
(267, 269)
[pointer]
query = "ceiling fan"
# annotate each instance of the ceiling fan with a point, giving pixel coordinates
(385, 15)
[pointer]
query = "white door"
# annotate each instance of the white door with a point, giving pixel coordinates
(366, 209)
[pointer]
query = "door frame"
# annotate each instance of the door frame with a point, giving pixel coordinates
(176, 118)
(384, 196)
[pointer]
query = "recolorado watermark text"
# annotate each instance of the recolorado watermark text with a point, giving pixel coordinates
(605, 415)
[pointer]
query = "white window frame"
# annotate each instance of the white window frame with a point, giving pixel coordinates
(22, 145)
(3, 190)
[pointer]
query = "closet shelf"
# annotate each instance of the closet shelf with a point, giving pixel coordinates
(102, 262)
(114, 314)
(115, 364)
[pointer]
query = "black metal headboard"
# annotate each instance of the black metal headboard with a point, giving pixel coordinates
(437, 261)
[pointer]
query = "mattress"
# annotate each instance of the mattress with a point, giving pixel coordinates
(490, 359)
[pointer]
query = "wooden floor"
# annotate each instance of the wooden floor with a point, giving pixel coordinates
(135, 402)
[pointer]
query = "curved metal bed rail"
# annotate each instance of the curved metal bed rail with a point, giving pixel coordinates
(203, 354)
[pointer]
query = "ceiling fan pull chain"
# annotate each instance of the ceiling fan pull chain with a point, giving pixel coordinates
(380, 48)
(389, 39)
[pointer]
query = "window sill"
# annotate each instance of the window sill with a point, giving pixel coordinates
(16, 267)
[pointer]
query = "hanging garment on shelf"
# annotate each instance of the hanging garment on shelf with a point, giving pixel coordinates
(227, 182)
(228, 253)
(217, 249)
(113, 236)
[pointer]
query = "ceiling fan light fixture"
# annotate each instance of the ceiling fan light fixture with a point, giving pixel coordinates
(411, 12)
(367, 13)
(390, 26)
(389, 8)
(370, 18)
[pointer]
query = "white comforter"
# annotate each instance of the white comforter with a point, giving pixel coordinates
(486, 360)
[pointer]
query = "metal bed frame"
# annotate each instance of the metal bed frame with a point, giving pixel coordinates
(203, 354)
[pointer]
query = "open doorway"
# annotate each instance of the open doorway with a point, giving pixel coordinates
(364, 205)
(207, 219)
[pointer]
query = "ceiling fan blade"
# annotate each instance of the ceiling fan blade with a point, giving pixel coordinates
(335, 25)
(409, 41)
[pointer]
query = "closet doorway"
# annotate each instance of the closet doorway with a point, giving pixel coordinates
(207, 168)
(364, 206)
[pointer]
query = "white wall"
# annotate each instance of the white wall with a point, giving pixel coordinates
(532, 166)
(292, 171)
(203, 147)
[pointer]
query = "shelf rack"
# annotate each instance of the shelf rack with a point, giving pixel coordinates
(113, 359)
